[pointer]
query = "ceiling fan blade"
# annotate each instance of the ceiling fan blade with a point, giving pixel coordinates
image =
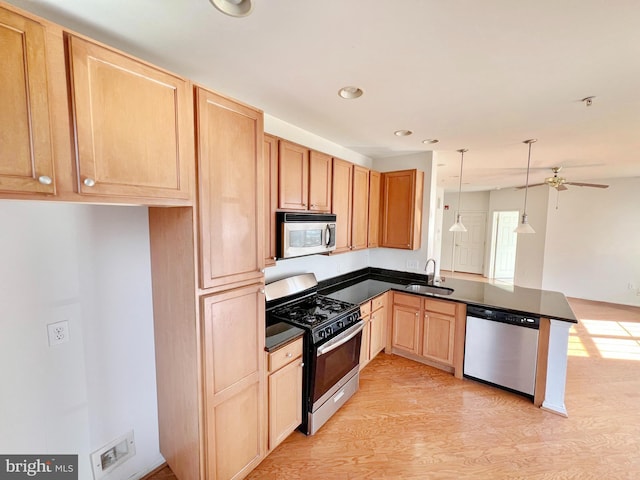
(534, 185)
(561, 187)
(579, 184)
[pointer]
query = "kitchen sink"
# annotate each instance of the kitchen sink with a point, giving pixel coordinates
(432, 289)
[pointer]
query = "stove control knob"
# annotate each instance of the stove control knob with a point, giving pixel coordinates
(328, 330)
(321, 333)
(340, 324)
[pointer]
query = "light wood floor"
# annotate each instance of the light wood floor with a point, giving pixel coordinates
(410, 421)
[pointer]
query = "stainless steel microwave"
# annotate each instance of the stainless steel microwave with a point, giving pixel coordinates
(305, 233)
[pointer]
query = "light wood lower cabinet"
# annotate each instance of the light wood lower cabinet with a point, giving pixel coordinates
(233, 346)
(374, 314)
(429, 330)
(285, 391)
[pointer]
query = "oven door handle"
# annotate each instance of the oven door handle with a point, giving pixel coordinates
(341, 339)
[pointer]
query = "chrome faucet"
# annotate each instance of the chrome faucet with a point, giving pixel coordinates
(434, 270)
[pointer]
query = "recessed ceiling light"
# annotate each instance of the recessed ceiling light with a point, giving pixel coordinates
(234, 8)
(430, 140)
(350, 92)
(402, 133)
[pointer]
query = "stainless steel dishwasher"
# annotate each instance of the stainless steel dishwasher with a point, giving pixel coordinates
(501, 349)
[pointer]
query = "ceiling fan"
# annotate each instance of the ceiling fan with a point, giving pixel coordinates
(560, 183)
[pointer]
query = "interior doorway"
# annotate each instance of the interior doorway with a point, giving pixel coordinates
(468, 247)
(503, 245)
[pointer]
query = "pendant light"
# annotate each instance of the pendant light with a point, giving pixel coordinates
(458, 226)
(524, 226)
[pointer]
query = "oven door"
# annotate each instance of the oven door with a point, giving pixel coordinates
(332, 361)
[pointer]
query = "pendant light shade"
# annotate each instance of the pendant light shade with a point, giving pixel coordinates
(458, 226)
(524, 226)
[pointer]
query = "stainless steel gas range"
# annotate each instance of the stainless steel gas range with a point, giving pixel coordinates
(333, 334)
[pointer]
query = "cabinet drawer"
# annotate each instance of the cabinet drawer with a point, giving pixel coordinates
(407, 299)
(378, 302)
(365, 309)
(447, 308)
(285, 355)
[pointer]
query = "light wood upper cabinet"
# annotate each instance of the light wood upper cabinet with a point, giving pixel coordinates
(293, 176)
(26, 151)
(320, 166)
(373, 239)
(342, 198)
(360, 208)
(133, 125)
(234, 382)
(270, 159)
(304, 178)
(230, 179)
(285, 392)
(401, 220)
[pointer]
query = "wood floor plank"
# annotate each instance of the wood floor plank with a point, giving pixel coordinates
(412, 421)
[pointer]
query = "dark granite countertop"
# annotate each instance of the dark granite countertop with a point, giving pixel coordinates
(279, 334)
(358, 287)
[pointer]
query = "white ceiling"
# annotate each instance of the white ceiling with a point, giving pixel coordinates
(483, 75)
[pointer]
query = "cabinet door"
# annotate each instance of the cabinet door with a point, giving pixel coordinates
(26, 155)
(373, 238)
(378, 339)
(401, 209)
(406, 322)
(230, 179)
(133, 125)
(270, 197)
(342, 197)
(293, 176)
(360, 209)
(233, 381)
(285, 402)
(364, 346)
(438, 336)
(319, 182)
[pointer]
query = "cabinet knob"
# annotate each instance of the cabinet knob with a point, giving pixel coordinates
(262, 290)
(417, 313)
(44, 180)
(302, 364)
(275, 258)
(262, 270)
(89, 182)
(289, 354)
(313, 205)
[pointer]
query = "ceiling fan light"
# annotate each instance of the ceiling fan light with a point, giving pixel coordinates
(524, 226)
(458, 226)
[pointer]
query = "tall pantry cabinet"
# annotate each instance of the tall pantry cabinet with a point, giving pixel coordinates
(208, 284)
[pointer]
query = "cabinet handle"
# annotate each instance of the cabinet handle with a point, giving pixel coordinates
(89, 182)
(44, 180)
(289, 355)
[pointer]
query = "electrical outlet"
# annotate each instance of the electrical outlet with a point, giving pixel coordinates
(412, 264)
(58, 333)
(631, 286)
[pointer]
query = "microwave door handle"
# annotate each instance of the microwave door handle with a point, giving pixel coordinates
(327, 236)
(341, 339)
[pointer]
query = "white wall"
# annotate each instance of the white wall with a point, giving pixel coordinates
(592, 246)
(88, 265)
(530, 251)
(290, 132)
(411, 260)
